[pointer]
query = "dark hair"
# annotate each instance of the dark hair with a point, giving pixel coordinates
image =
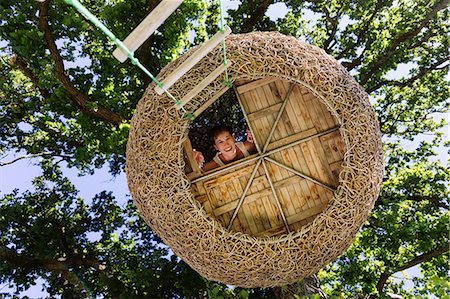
(215, 131)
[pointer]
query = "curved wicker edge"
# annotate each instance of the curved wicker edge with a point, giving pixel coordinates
(155, 167)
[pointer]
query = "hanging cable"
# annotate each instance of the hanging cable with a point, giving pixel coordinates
(222, 29)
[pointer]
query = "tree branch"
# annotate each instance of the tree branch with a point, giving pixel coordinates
(80, 99)
(404, 83)
(334, 21)
(361, 35)
(23, 66)
(304, 288)
(384, 57)
(45, 154)
(29, 263)
(255, 15)
(415, 261)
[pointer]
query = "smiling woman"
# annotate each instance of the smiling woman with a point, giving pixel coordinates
(282, 213)
(228, 150)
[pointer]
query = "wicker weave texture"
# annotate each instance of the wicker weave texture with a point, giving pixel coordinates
(158, 184)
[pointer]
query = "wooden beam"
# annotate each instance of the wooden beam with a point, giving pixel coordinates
(188, 149)
(205, 82)
(191, 61)
(146, 28)
(277, 200)
(241, 200)
(280, 112)
(249, 123)
(306, 177)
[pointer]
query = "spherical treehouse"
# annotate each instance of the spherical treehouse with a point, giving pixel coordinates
(283, 213)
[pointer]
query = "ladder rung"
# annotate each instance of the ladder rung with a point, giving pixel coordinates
(205, 82)
(146, 28)
(191, 61)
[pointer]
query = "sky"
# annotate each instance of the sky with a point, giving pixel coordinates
(21, 173)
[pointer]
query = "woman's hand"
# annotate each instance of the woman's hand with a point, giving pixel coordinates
(249, 136)
(198, 156)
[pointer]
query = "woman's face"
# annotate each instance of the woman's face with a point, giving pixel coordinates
(225, 144)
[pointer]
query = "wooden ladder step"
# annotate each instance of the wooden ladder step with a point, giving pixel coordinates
(146, 28)
(191, 61)
(205, 82)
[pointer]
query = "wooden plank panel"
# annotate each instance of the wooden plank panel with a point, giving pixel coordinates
(254, 213)
(271, 110)
(279, 179)
(231, 205)
(250, 106)
(310, 102)
(290, 112)
(263, 215)
(274, 231)
(306, 213)
(290, 190)
(327, 145)
(322, 168)
(208, 209)
(333, 145)
(336, 169)
(276, 95)
(266, 122)
(300, 110)
(328, 178)
(283, 89)
(331, 121)
(272, 212)
(254, 84)
(292, 138)
(202, 198)
(304, 110)
(270, 100)
(218, 180)
(316, 191)
(240, 215)
(300, 164)
(301, 188)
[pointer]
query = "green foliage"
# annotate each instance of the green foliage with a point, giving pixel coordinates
(105, 249)
(101, 247)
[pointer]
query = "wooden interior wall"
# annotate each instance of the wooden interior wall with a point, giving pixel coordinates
(319, 157)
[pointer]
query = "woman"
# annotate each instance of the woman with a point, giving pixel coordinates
(228, 150)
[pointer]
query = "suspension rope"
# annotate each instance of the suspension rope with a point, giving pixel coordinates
(84, 11)
(222, 29)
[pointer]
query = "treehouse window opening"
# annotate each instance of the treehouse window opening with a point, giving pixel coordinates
(220, 135)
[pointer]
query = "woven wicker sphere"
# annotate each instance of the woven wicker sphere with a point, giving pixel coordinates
(162, 191)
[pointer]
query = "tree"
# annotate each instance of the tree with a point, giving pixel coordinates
(66, 100)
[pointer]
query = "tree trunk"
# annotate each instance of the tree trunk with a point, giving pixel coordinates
(308, 286)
